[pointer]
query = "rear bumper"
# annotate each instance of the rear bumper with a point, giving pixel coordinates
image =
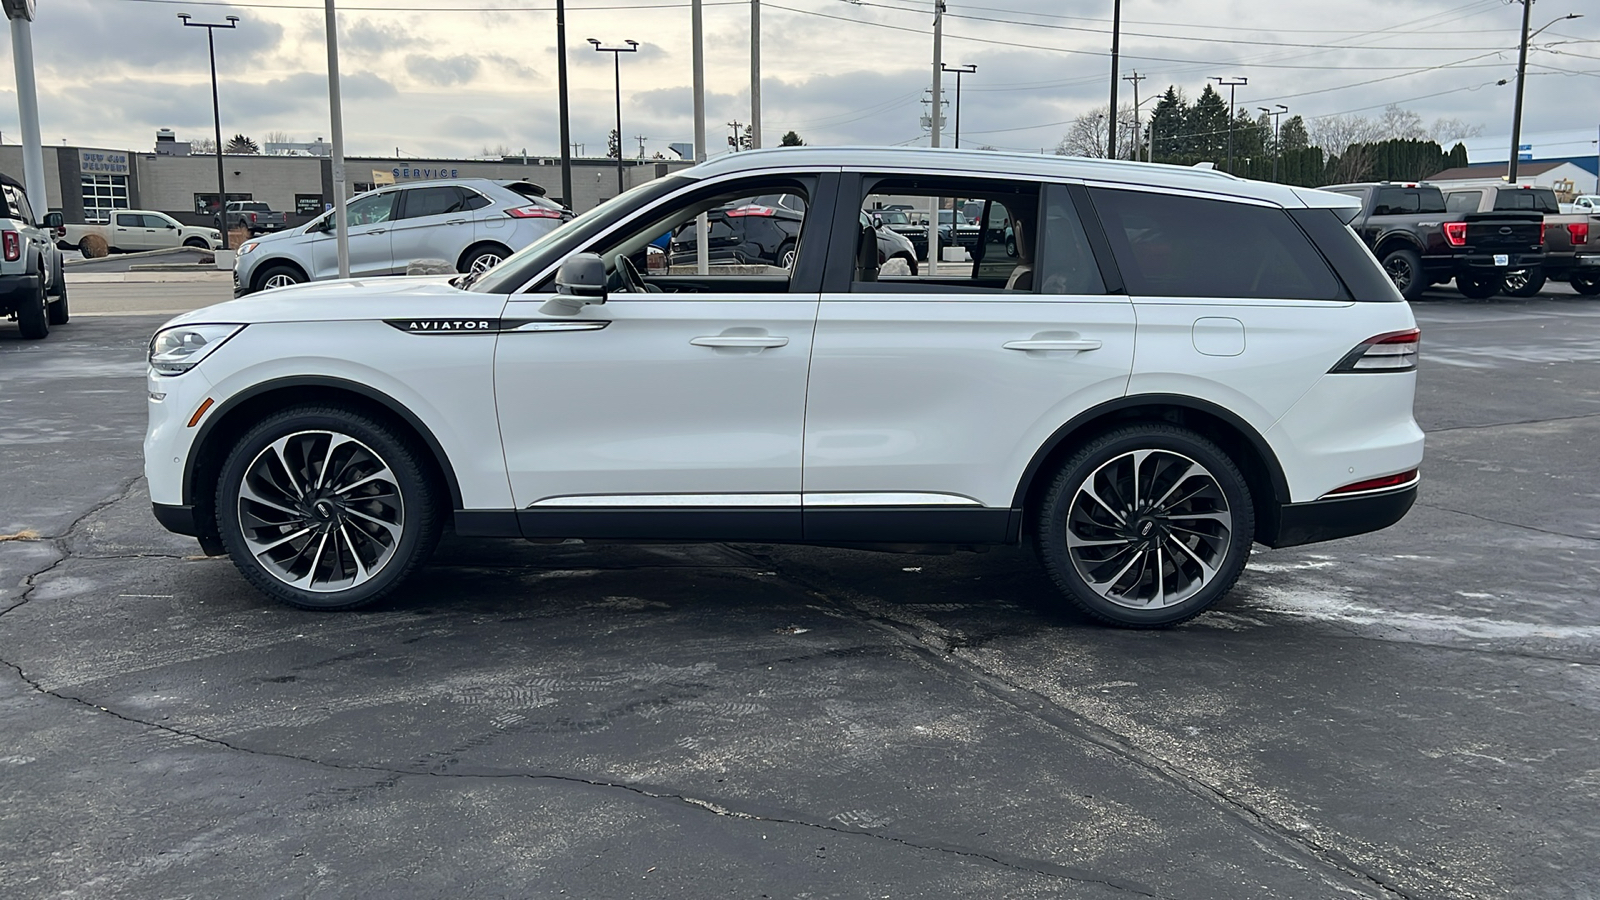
(1327, 520)
(1484, 262)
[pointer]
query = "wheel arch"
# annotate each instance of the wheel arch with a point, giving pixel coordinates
(477, 245)
(1269, 487)
(1397, 240)
(236, 414)
(257, 276)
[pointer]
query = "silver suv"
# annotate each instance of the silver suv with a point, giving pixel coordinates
(33, 290)
(471, 223)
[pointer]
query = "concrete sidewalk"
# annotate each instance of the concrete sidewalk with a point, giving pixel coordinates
(146, 293)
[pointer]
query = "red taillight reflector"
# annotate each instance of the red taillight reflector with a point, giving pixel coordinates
(13, 244)
(1392, 352)
(533, 212)
(751, 211)
(252, 217)
(1456, 233)
(1579, 232)
(1376, 484)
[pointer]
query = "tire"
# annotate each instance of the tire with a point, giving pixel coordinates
(481, 259)
(1011, 246)
(284, 276)
(786, 255)
(1479, 287)
(1587, 285)
(33, 319)
(1404, 268)
(363, 536)
(1090, 498)
(1524, 283)
(197, 242)
(57, 313)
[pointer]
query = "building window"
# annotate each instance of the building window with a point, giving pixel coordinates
(361, 187)
(102, 194)
(206, 204)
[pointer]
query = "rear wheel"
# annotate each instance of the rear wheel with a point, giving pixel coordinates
(786, 255)
(483, 259)
(1146, 526)
(1587, 285)
(32, 318)
(1479, 287)
(325, 508)
(1404, 268)
(1524, 282)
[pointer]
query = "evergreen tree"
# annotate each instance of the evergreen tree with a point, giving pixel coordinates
(791, 139)
(241, 144)
(1167, 125)
(613, 145)
(1207, 127)
(1293, 136)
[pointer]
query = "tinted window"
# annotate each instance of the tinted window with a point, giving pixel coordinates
(128, 220)
(1066, 264)
(155, 222)
(474, 200)
(20, 204)
(1463, 201)
(1171, 246)
(432, 201)
(1396, 201)
(1536, 200)
(371, 209)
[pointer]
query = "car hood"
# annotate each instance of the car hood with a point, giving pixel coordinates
(421, 296)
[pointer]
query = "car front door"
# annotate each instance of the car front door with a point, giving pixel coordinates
(433, 223)
(128, 232)
(370, 217)
(160, 232)
(673, 411)
(929, 395)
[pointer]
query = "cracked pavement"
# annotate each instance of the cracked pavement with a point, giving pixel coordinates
(1407, 714)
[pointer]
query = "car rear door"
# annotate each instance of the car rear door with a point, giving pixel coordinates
(929, 395)
(432, 223)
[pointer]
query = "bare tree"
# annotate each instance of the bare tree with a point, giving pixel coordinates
(1448, 131)
(203, 145)
(1354, 164)
(1336, 133)
(1087, 135)
(1398, 123)
(278, 137)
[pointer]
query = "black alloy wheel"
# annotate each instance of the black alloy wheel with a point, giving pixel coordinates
(1404, 268)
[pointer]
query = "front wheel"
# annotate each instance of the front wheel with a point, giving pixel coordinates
(1587, 285)
(279, 276)
(325, 508)
(1479, 287)
(1146, 526)
(197, 242)
(1524, 282)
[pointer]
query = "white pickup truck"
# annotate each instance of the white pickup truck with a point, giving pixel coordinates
(133, 230)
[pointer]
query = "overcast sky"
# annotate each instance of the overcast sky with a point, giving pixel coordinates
(441, 78)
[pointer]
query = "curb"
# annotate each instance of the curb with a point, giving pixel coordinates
(143, 254)
(148, 277)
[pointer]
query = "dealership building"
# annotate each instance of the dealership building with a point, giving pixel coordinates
(86, 183)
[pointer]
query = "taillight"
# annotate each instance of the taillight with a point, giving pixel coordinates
(751, 211)
(1387, 482)
(533, 212)
(13, 244)
(1579, 232)
(1392, 352)
(1456, 233)
(252, 217)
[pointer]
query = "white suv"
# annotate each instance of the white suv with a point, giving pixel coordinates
(1174, 364)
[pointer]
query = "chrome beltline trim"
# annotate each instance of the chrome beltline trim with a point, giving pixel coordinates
(889, 498)
(834, 500)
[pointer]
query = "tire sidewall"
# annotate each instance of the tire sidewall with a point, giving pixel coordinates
(1413, 290)
(1050, 528)
(270, 271)
(33, 317)
(418, 533)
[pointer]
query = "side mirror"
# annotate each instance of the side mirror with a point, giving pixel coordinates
(171, 227)
(54, 220)
(580, 281)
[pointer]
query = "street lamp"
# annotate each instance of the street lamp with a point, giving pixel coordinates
(216, 113)
(960, 71)
(616, 64)
(1522, 69)
(1276, 150)
(1230, 84)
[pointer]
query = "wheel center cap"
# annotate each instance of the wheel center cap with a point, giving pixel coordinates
(323, 509)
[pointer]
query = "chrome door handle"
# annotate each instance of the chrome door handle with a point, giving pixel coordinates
(740, 340)
(377, 231)
(455, 221)
(1052, 345)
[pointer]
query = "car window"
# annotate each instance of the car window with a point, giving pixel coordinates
(1406, 200)
(1462, 201)
(18, 202)
(371, 209)
(154, 221)
(1173, 246)
(473, 200)
(1535, 200)
(1066, 263)
(432, 201)
(994, 258)
(130, 220)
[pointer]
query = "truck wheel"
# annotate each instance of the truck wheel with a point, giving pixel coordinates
(1479, 287)
(1587, 285)
(1524, 283)
(32, 319)
(58, 313)
(1404, 268)
(202, 243)
(1146, 526)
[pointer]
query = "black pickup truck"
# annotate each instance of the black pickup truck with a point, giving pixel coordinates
(1420, 243)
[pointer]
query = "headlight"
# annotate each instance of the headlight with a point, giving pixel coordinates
(174, 351)
(247, 246)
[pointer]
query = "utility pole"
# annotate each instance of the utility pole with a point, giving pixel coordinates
(1230, 84)
(341, 218)
(1135, 78)
(1522, 71)
(561, 102)
(733, 140)
(755, 74)
(21, 15)
(1116, 53)
(216, 112)
(1276, 149)
(641, 139)
(959, 71)
(935, 113)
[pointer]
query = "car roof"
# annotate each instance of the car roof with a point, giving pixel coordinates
(981, 162)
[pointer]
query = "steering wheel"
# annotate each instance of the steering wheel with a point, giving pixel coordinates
(632, 281)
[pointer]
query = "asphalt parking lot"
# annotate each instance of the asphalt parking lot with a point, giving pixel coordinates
(1407, 714)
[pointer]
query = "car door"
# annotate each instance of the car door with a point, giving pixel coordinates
(675, 412)
(371, 247)
(160, 232)
(929, 395)
(128, 232)
(432, 224)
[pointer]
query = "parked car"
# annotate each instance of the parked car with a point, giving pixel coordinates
(1568, 252)
(137, 230)
(1584, 203)
(891, 244)
(1420, 243)
(254, 216)
(324, 435)
(33, 290)
(763, 230)
(471, 223)
(899, 220)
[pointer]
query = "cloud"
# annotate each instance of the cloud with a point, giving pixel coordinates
(376, 37)
(442, 70)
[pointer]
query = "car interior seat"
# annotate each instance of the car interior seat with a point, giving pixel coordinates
(1022, 276)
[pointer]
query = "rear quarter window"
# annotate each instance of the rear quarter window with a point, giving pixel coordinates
(1536, 200)
(1172, 246)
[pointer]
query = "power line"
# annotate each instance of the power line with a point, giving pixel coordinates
(343, 8)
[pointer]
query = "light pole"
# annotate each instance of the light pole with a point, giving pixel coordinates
(616, 64)
(1522, 70)
(1116, 53)
(20, 12)
(216, 113)
(959, 71)
(561, 103)
(1276, 150)
(341, 217)
(1230, 84)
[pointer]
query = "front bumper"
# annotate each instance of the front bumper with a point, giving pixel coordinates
(1331, 519)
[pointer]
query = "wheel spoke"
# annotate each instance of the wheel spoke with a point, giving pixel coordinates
(1089, 489)
(381, 474)
(1176, 483)
(1074, 541)
(268, 548)
(1207, 571)
(394, 530)
(248, 492)
(310, 576)
(295, 483)
(1160, 596)
(361, 568)
(335, 441)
